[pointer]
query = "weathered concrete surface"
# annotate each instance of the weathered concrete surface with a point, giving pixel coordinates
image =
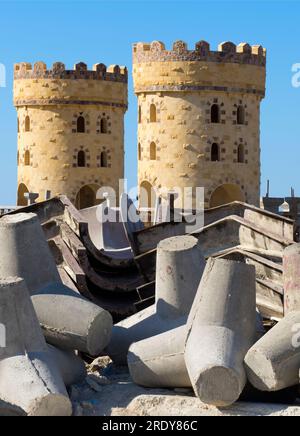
(30, 378)
(273, 362)
(179, 268)
(221, 329)
(148, 239)
(68, 320)
(71, 322)
(7, 409)
(25, 252)
(159, 361)
(180, 265)
(117, 395)
(71, 367)
(105, 235)
(291, 278)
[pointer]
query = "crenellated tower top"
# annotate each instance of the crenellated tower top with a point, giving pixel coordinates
(113, 73)
(227, 52)
(232, 68)
(37, 85)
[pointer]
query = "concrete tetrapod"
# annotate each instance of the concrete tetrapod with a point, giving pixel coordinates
(179, 269)
(159, 361)
(273, 362)
(29, 376)
(221, 329)
(68, 320)
(71, 367)
(291, 278)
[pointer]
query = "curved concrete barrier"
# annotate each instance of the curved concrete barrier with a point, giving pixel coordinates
(273, 362)
(68, 319)
(30, 378)
(180, 266)
(221, 329)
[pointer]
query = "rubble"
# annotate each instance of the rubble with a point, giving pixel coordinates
(80, 273)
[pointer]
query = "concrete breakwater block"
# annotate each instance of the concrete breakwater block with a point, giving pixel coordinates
(30, 379)
(179, 269)
(72, 368)
(68, 320)
(273, 362)
(221, 329)
(158, 362)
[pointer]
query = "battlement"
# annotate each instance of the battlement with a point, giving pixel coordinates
(113, 73)
(227, 52)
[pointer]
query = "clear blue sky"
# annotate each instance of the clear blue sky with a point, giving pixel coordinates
(103, 31)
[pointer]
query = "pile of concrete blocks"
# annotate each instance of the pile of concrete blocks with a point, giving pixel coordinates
(205, 332)
(43, 323)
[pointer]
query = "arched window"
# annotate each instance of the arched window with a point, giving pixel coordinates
(152, 151)
(215, 152)
(103, 159)
(140, 114)
(27, 123)
(215, 113)
(80, 124)
(81, 159)
(240, 115)
(241, 154)
(139, 152)
(152, 113)
(103, 125)
(27, 158)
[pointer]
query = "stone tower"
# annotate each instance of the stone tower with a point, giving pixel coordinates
(70, 130)
(199, 118)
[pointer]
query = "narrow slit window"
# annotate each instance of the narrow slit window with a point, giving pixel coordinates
(27, 124)
(241, 154)
(215, 153)
(215, 114)
(80, 124)
(240, 115)
(152, 113)
(152, 151)
(104, 159)
(81, 159)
